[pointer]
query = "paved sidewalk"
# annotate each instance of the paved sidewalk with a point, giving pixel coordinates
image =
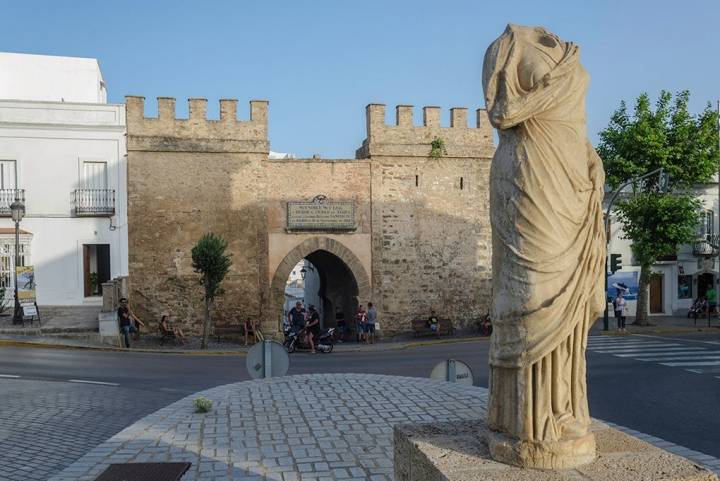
(325, 427)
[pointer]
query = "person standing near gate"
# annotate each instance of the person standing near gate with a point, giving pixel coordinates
(360, 319)
(126, 318)
(296, 317)
(370, 324)
(619, 306)
(340, 323)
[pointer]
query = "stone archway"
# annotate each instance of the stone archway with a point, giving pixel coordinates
(314, 248)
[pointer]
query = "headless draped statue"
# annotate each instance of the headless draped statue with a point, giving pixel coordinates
(548, 250)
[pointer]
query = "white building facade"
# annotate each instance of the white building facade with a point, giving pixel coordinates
(680, 278)
(62, 151)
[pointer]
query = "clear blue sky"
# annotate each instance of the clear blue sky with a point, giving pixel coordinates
(320, 62)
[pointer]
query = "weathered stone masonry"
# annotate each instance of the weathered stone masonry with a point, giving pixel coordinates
(422, 235)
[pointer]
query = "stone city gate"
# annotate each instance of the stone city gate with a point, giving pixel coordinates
(405, 225)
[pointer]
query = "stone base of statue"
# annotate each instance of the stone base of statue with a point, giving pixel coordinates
(565, 454)
(460, 451)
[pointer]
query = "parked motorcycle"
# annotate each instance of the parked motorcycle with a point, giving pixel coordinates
(296, 341)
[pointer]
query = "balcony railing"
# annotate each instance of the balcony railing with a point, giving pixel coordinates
(707, 247)
(94, 202)
(7, 197)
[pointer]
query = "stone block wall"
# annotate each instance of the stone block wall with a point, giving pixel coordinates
(187, 178)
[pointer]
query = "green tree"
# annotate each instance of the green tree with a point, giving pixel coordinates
(212, 263)
(686, 147)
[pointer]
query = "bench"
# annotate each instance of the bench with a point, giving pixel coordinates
(166, 336)
(420, 328)
(229, 330)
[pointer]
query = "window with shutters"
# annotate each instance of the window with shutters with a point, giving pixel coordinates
(93, 198)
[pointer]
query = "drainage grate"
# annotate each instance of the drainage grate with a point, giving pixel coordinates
(144, 472)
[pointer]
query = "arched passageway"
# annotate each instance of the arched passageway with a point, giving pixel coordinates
(343, 281)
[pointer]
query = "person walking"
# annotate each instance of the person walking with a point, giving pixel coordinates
(340, 323)
(619, 306)
(370, 323)
(312, 326)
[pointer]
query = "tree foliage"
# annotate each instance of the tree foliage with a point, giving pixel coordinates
(686, 147)
(212, 263)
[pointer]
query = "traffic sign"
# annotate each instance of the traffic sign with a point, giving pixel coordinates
(453, 371)
(267, 359)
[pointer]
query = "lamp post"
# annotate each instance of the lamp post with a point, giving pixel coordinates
(18, 212)
(303, 273)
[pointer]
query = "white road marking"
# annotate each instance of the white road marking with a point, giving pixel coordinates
(700, 363)
(659, 349)
(715, 343)
(684, 352)
(711, 357)
(10, 376)
(84, 381)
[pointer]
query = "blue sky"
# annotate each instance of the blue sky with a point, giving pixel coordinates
(320, 62)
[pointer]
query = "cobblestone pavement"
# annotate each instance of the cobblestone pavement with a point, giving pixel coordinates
(299, 428)
(323, 427)
(42, 430)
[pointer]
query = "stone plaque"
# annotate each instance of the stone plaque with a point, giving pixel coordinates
(321, 215)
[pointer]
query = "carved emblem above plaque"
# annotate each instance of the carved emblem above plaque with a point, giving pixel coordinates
(321, 214)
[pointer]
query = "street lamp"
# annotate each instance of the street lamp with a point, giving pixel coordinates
(18, 212)
(303, 273)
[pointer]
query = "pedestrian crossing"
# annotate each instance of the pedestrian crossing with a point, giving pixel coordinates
(670, 353)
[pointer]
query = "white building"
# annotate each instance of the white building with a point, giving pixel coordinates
(680, 278)
(62, 150)
(304, 287)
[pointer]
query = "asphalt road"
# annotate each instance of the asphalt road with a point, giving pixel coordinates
(53, 411)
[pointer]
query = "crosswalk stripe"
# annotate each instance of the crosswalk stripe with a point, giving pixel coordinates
(662, 353)
(675, 358)
(650, 349)
(627, 344)
(634, 346)
(693, 363)
(678, 353)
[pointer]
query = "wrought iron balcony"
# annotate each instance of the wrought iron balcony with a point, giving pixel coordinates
(94, 202)
(7, 197)
(707, 247)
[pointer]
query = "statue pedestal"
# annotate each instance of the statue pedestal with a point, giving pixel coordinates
(459, 451)
(567, 454)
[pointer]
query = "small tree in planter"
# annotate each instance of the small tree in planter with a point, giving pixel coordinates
(212, 263)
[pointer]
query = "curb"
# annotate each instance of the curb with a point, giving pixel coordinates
(661, 330)
(409, 345)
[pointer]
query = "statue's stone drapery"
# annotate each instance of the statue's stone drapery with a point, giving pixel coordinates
(548, 249)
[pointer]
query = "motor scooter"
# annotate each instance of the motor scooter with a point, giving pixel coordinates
(296, 340)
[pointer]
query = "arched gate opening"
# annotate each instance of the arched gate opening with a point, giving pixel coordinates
(343, 281)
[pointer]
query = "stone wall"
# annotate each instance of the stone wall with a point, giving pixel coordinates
(421, 241)
(187, 178)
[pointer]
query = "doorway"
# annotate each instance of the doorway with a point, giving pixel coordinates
(705, 282)
(656, 293)
(96, 268)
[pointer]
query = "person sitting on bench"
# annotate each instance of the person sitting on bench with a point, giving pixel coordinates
(251, 329)
(434, 323)
(168, 330)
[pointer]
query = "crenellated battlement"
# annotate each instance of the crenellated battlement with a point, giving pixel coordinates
(404, 139)
(196, 133)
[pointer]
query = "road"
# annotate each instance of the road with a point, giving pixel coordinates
(52, 411)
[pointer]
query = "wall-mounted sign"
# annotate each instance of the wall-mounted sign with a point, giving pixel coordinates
(26, 284)
(321, 215)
